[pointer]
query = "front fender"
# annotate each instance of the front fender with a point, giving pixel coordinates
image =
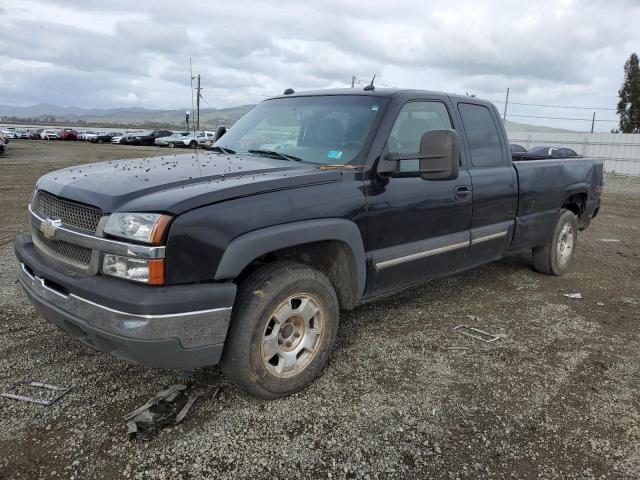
(249, 246)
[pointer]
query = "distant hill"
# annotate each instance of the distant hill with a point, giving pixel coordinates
(129, 116)
(210, 118)
(514, 127)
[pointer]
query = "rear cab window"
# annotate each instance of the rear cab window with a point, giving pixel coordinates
(483, 138)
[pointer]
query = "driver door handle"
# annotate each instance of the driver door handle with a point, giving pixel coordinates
(463, 193)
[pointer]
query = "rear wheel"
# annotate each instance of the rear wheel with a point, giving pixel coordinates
(555, 257)
(171, 145)
(284, 324)
(193, 144)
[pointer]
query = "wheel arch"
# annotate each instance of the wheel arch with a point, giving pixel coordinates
(333, 246)
(575, 199)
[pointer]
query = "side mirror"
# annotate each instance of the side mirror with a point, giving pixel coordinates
(438, 157)
(220, 131)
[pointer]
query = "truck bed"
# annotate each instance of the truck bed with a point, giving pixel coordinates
(547, 184)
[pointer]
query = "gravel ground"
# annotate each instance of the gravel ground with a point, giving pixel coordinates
(557, 398)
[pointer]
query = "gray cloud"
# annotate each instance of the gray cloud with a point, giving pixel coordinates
(123, 54)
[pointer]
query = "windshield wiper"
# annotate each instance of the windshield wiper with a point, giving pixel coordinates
(284, 156)
(216, 148)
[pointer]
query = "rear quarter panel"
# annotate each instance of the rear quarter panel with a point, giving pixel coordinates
(544, 186)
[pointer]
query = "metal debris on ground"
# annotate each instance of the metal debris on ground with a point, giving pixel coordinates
(457, 348)
(574, 296)
(18, 391)
(473, 318)
(611, 240)
(479, 334)
(168, 407)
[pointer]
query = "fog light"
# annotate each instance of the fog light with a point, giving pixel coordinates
(145, 271)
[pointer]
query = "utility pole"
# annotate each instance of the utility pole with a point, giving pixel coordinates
(593, 122)
(353, 81)
(506, 104)
(198, 105)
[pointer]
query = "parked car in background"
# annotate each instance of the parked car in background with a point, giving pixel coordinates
(20, 133)
(35, 134)
(202, 139)
(150, 138)
(89, 135)
(131, 138)
(68, 134)
(8, 132)
(105, 137)
(550, 152)
(118, 138)
(517, 149)
(172, 140)
(50, 134)
(82, 134)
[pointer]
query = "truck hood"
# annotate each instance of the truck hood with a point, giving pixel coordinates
(177, 183)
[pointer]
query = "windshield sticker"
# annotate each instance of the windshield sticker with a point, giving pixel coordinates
(375, 107)
(335, 154)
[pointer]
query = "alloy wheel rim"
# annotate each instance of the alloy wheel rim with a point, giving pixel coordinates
(566, 240)
(292, 335)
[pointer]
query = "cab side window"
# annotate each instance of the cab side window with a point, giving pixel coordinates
(415, 119)
(482, 135)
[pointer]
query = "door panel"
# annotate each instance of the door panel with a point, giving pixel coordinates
(417, 230)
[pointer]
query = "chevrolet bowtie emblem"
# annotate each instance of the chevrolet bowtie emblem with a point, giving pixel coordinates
(48, 228)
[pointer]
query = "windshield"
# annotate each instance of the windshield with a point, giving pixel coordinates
(323, 129)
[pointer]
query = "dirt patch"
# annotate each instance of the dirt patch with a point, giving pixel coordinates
(557, 398)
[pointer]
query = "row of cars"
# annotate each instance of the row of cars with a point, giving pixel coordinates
(40, 133)
(518, 151)
(163, 138)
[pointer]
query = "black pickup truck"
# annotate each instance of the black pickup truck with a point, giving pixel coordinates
(310, 204)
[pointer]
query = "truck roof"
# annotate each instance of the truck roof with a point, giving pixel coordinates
(381, 92)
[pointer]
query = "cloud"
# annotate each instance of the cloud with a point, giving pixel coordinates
(124, 53)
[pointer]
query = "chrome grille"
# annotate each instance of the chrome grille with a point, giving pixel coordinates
(69, 251)
(71, 213)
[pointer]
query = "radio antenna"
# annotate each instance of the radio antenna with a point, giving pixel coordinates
(370, 87)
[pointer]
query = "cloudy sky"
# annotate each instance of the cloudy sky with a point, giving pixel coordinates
(122, 53)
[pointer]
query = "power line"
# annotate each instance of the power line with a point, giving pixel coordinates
(562, 118)
(556, 106)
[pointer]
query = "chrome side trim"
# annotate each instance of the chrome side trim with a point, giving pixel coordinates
(416, 256)
(193, 329)
(66, 234)
(487, 238)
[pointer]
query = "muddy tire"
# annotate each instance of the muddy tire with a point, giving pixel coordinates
(283, 326)
(555, 257)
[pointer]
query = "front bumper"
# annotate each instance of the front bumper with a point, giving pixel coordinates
(180, 326)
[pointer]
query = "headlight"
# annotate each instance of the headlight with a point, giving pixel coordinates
(142, 227)
(145, 271)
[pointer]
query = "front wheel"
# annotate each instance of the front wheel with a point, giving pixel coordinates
(171, 145)
(555, 257)
(193, 144)
(282, 331)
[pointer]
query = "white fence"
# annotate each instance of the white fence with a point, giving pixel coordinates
(620, 151)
